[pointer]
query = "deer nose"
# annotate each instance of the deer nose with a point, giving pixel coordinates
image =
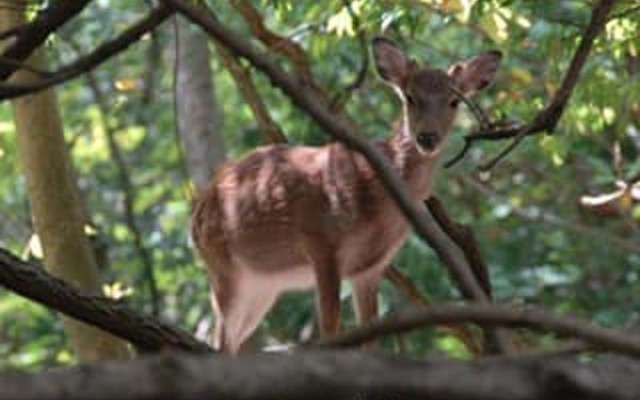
(427, 140)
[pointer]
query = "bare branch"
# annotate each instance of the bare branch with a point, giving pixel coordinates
(341, 97)
(146, 333)
(32, 35)
(548, 118)
(90, 61)
(464, 238)
(485, 314)
(342, 375)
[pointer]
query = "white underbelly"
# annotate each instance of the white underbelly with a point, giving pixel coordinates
(296, 278)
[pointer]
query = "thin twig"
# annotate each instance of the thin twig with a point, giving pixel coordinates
(505, 152)
(480, 115)
(548, 118)
(341, 97)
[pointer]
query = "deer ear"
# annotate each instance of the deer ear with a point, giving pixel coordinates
(391, 63)
(477, 73)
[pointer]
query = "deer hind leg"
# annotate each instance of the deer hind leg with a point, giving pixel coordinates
(239, 305)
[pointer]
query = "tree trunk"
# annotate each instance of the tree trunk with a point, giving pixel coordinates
(199, 116)
(55, 200)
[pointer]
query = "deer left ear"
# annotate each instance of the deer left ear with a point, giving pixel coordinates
(391, 62)
(476, 73)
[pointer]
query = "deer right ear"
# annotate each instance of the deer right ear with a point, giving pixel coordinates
(477, 73)
(391, 63)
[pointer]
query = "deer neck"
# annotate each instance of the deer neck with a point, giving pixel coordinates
(415, 167)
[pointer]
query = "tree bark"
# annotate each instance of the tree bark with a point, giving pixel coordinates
(55, 200)
(332, 375)
(199, 116)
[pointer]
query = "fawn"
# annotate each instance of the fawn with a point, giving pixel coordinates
(295, 217)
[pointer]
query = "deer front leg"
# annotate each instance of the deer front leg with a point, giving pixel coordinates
(328, 296)
(365, 298)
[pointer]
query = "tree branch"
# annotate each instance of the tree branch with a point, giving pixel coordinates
(484, 314)
(90, 61)
(146, 333)
(463, 236)
(32, 35)
(499, 341)
(330, 374)
(548, 118)
(409, 289)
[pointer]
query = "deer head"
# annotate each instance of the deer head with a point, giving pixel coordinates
(429, 104)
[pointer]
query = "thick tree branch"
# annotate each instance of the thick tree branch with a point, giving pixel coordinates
(495, 340)
(548, 118)
(90, 61)
(339, 128)
(463, 236)
(30, 36)
(150, 335)
(484, 314)
(146, 333)
(331, 375)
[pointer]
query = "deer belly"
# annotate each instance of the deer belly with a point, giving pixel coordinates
(372, 249)
(274, 258)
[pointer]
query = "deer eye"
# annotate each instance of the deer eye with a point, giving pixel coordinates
(410, 99)
(454, 103)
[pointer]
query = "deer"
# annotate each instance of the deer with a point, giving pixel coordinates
(286, 218)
